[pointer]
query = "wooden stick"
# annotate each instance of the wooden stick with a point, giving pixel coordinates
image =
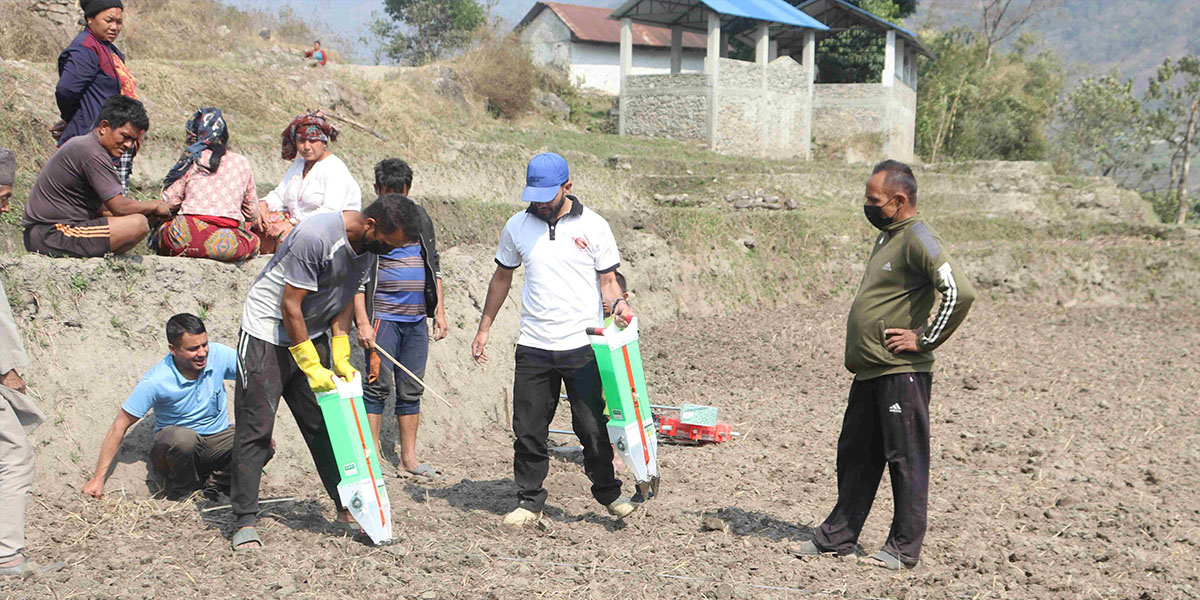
(358, 125)
(411, 374)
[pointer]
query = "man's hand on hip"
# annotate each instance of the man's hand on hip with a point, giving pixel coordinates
(900, 340)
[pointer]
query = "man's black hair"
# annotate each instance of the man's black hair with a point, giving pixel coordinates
(119, 110)
(183, 323)
(899, 175)
(621, 282)
(393, 174)
(395, 211)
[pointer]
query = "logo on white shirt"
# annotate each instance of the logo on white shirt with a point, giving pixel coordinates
(581, 243)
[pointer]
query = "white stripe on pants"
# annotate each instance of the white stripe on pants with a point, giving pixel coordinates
(16, 472)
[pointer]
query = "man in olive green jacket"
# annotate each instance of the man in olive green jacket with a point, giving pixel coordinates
(890, 339)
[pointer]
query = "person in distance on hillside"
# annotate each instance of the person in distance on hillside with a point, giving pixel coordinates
(192, 435)
(392, 311)
(889, 348)
(295, 329)
(78, 186)
(570, 257)
(316, 57)
(8, 177)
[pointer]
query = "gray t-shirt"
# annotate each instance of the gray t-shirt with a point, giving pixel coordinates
(315, 256)
(73, 185)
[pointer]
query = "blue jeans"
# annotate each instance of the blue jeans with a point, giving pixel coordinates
(409, 344)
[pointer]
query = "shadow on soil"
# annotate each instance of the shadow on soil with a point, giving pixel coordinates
(497, 496)
(748, 523)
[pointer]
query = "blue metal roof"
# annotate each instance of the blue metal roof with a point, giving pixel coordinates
(690, 13)
(828, 11)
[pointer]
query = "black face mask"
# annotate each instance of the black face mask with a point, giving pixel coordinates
(875, 215)
(377, 247)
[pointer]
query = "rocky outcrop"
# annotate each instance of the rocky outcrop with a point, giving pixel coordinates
(63, 13)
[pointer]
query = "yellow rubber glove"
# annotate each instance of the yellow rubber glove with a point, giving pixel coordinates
(320, 379)
(339, 348)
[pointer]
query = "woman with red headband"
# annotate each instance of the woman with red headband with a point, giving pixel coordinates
(317, 182)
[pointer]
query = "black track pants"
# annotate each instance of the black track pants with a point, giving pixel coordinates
(886, 423)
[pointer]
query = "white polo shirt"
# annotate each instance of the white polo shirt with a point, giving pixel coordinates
(561, 298)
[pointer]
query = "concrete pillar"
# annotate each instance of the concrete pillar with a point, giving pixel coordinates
(712, 68)
(901, 51)
(676, 49)
(809, 60)
(809, 57)
(774, 53)
(889, 60)
(714, 44)
(626, 67)
(762, 43)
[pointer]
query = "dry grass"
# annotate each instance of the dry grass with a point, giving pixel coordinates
(24, 35)
(167, 29)
(500, 70)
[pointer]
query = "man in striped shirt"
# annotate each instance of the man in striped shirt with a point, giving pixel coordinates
(392, 313)
(889, 348)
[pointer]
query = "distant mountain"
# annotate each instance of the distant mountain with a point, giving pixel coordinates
(1094, 37)
(1091, 36)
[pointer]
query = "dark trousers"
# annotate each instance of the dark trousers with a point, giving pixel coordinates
(186, 459)
(886, 422)
(540, 375)
(266, 372)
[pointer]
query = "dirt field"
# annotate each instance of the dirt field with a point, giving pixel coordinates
(1064, 443)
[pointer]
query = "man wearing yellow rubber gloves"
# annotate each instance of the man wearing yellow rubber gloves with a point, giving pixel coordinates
(294, 331)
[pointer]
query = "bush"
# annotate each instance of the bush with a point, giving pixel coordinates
(501, 70)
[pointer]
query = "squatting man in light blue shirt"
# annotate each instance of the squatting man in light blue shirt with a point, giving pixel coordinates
(193, 439)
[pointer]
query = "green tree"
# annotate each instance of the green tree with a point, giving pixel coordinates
(856, 55)
(974, 107)
(1103, 130)
(1175, 90)
(420, 31)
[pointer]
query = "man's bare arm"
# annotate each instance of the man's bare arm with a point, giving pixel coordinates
(108, 451)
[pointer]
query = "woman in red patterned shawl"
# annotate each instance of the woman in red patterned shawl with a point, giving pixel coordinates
(90, 71)
(212, 190)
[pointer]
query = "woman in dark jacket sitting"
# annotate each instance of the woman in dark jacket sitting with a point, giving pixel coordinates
(90, 71)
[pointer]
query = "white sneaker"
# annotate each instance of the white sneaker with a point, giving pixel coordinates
(621, 507)
(521, 517)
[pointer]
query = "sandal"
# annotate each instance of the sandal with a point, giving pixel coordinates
(28, 566)
(424, 471)
(243, 536)
(885, 560)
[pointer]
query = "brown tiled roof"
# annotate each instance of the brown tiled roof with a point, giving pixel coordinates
(591, 24)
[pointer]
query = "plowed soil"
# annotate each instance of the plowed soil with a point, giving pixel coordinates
(1064, 451)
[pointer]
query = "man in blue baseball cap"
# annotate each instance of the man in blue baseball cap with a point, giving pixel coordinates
(570, 259)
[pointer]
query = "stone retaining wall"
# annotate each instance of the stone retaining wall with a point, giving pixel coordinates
(849, 114)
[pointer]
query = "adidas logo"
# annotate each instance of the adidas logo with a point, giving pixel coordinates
(895, 408)
(887, 266)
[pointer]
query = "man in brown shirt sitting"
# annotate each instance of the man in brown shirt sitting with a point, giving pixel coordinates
(77, 206)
